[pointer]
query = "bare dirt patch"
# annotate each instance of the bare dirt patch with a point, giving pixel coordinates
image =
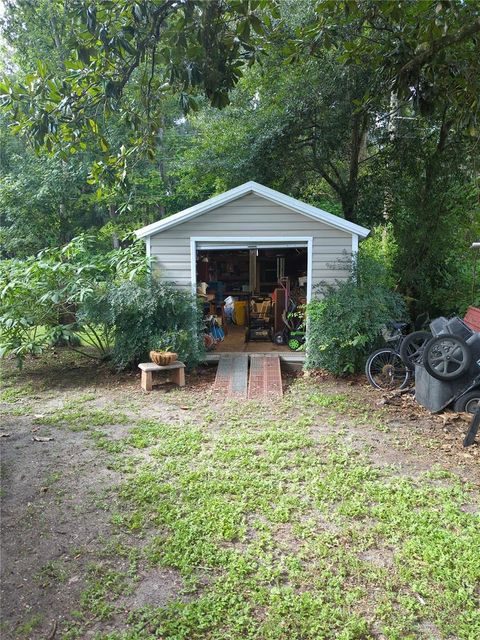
(56, 505)
(58, 500)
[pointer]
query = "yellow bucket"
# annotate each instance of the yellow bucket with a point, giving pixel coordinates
(240, 312)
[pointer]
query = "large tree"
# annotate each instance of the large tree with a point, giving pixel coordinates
(123, 58)
(92, 143)
(291, 127)
(423, 51)
(367, 109)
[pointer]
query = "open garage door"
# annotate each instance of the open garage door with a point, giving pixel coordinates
(252, 265)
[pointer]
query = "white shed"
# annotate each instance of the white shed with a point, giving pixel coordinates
(243, 241)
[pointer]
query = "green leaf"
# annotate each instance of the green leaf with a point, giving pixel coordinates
(103, 144)
(93, 125)
(42, 68)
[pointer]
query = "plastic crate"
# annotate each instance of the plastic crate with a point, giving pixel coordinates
(438, 325)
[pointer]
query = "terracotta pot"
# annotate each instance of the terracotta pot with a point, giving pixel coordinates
(163, 358)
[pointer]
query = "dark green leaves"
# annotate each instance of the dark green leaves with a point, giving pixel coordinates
(91, 18)
(119, 53)
(424, 51)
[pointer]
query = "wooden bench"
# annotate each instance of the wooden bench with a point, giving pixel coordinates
(472, 318)
(177, 374)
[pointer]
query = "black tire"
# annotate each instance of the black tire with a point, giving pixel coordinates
(412, 347)
(386, 370)
(279, 338)
(469, 402)
(447, 357)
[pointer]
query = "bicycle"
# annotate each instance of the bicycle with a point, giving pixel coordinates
(392, 367)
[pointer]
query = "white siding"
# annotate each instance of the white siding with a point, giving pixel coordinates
(252, 216)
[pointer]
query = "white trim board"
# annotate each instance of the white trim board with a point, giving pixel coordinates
(262, 242)
(258, 189)
(354, 244)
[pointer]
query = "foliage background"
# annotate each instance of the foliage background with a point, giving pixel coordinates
(368, 110)
(102, 304)
(346, 319)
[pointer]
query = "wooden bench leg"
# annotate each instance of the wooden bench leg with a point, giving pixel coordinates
(178, 376)
(146, 381)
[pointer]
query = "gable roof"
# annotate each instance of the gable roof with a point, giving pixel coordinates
(258, 189)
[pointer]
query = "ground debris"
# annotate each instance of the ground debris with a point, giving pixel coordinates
(450, 418)
(42, 439)
(53, 631)
(403, 400)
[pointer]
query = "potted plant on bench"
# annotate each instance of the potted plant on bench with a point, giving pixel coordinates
(163, 357)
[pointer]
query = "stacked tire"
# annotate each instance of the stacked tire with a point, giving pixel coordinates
(451, 358)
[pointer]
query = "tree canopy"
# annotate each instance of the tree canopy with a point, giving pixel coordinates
(115, 114)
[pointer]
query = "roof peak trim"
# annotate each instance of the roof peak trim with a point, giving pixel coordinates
(243, 190)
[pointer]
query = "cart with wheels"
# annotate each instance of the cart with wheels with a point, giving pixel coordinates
(449, 372)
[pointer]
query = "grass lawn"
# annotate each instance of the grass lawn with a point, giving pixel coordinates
(179, 515)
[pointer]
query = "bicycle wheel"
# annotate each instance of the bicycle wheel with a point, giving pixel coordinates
(411, 349)
(386, 370)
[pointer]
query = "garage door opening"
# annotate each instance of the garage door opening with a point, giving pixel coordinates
(253, 297)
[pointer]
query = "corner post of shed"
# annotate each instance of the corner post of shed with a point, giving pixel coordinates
(193, 264)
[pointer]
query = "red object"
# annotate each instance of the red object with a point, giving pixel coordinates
(281, 302)
(472, 318)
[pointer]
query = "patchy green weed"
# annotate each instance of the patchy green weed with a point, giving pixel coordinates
(16, 392)
(104, 586)
(276, 529)
(286, 529)
(79, 418)
(103, 441)
(52, 573)
(27, 627)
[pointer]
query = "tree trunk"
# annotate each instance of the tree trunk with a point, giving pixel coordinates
(162, 168)
(112, 212)
(426, 262)
(392, 128)
(349, 201)
(346, 187)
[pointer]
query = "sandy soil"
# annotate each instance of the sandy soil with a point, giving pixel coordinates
(57, 502)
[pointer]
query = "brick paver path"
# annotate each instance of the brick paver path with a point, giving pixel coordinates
(265, 380)
(265, 377)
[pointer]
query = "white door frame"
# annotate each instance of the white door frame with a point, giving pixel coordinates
(232, 242)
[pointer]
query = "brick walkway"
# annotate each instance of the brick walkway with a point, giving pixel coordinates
(265, 377)
(265, 380)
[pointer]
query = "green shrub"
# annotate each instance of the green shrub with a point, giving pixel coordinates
(58, 293)
(344, 320)
(150, 315)
(105, 300)
(381, 246)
